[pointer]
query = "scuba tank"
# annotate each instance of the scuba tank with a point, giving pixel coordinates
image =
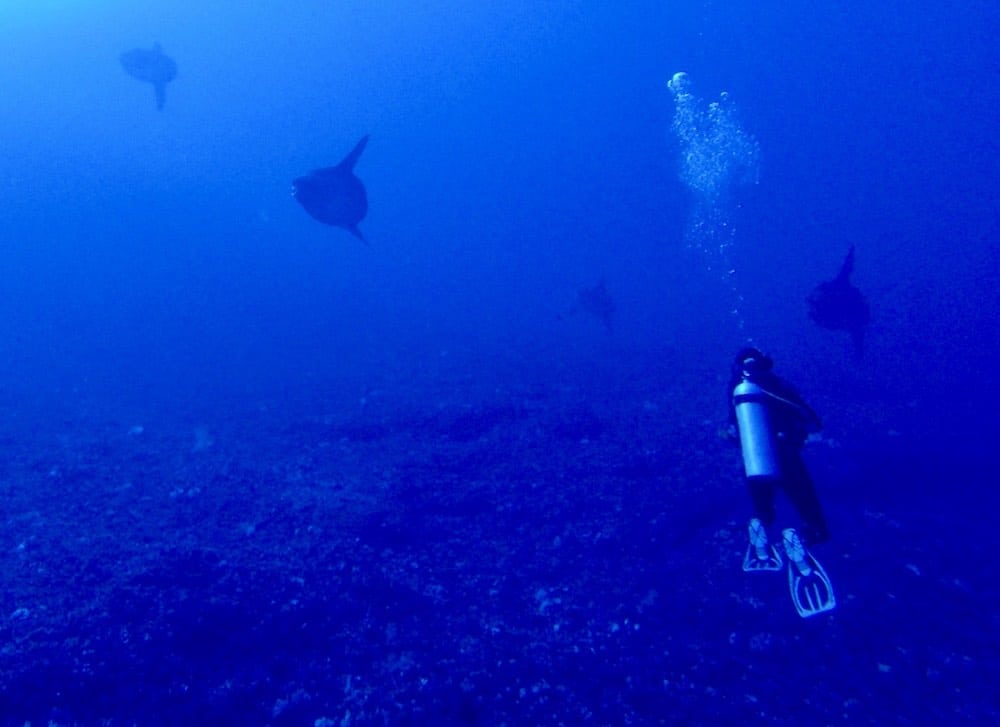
(757, 440)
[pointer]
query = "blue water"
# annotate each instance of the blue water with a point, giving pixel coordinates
(255, 471)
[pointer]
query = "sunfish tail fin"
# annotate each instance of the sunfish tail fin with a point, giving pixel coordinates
(161, 94)
(858, 337)
(357, 233)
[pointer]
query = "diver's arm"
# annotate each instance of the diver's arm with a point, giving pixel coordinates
(810, 417)
(787, 395)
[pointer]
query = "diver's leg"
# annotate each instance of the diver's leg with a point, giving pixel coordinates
(761, 556)
(762, 495)
(802, 492)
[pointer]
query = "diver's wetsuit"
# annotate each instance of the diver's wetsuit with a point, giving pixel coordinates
(793, 420)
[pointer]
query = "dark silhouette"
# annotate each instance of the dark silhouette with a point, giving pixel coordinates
(596, 301)
(151, 66)
(838, 306)
(333, 195)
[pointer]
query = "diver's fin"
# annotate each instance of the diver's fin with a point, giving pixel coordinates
(812, 591)
(760, 555)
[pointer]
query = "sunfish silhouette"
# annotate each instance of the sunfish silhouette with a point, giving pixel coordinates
(152, 66)
(333, 195)
(596, 301)
(839, 306)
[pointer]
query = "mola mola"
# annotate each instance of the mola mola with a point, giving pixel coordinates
(596, 301)
(333, 195)
(839, 306)
(152, 66)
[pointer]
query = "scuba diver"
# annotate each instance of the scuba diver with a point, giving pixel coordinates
(773, 422)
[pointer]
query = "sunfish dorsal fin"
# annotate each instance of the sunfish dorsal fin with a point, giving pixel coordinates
(847, 268)
(351, 159)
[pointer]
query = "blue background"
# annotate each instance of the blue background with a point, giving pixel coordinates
(158, 278)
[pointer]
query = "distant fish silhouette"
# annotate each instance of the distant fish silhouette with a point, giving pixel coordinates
(596, 301)
(333, 195)
(839, 306)
(151, 66)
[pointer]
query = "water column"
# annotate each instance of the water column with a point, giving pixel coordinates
(716, 155)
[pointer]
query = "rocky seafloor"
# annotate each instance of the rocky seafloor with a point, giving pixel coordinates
(510, 556)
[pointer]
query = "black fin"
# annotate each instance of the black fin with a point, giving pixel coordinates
(356, 232)
(161, 94)
(858, 337)
(847, 268)
(351, 159)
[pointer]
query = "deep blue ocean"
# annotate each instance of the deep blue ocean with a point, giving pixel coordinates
(474, 469)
